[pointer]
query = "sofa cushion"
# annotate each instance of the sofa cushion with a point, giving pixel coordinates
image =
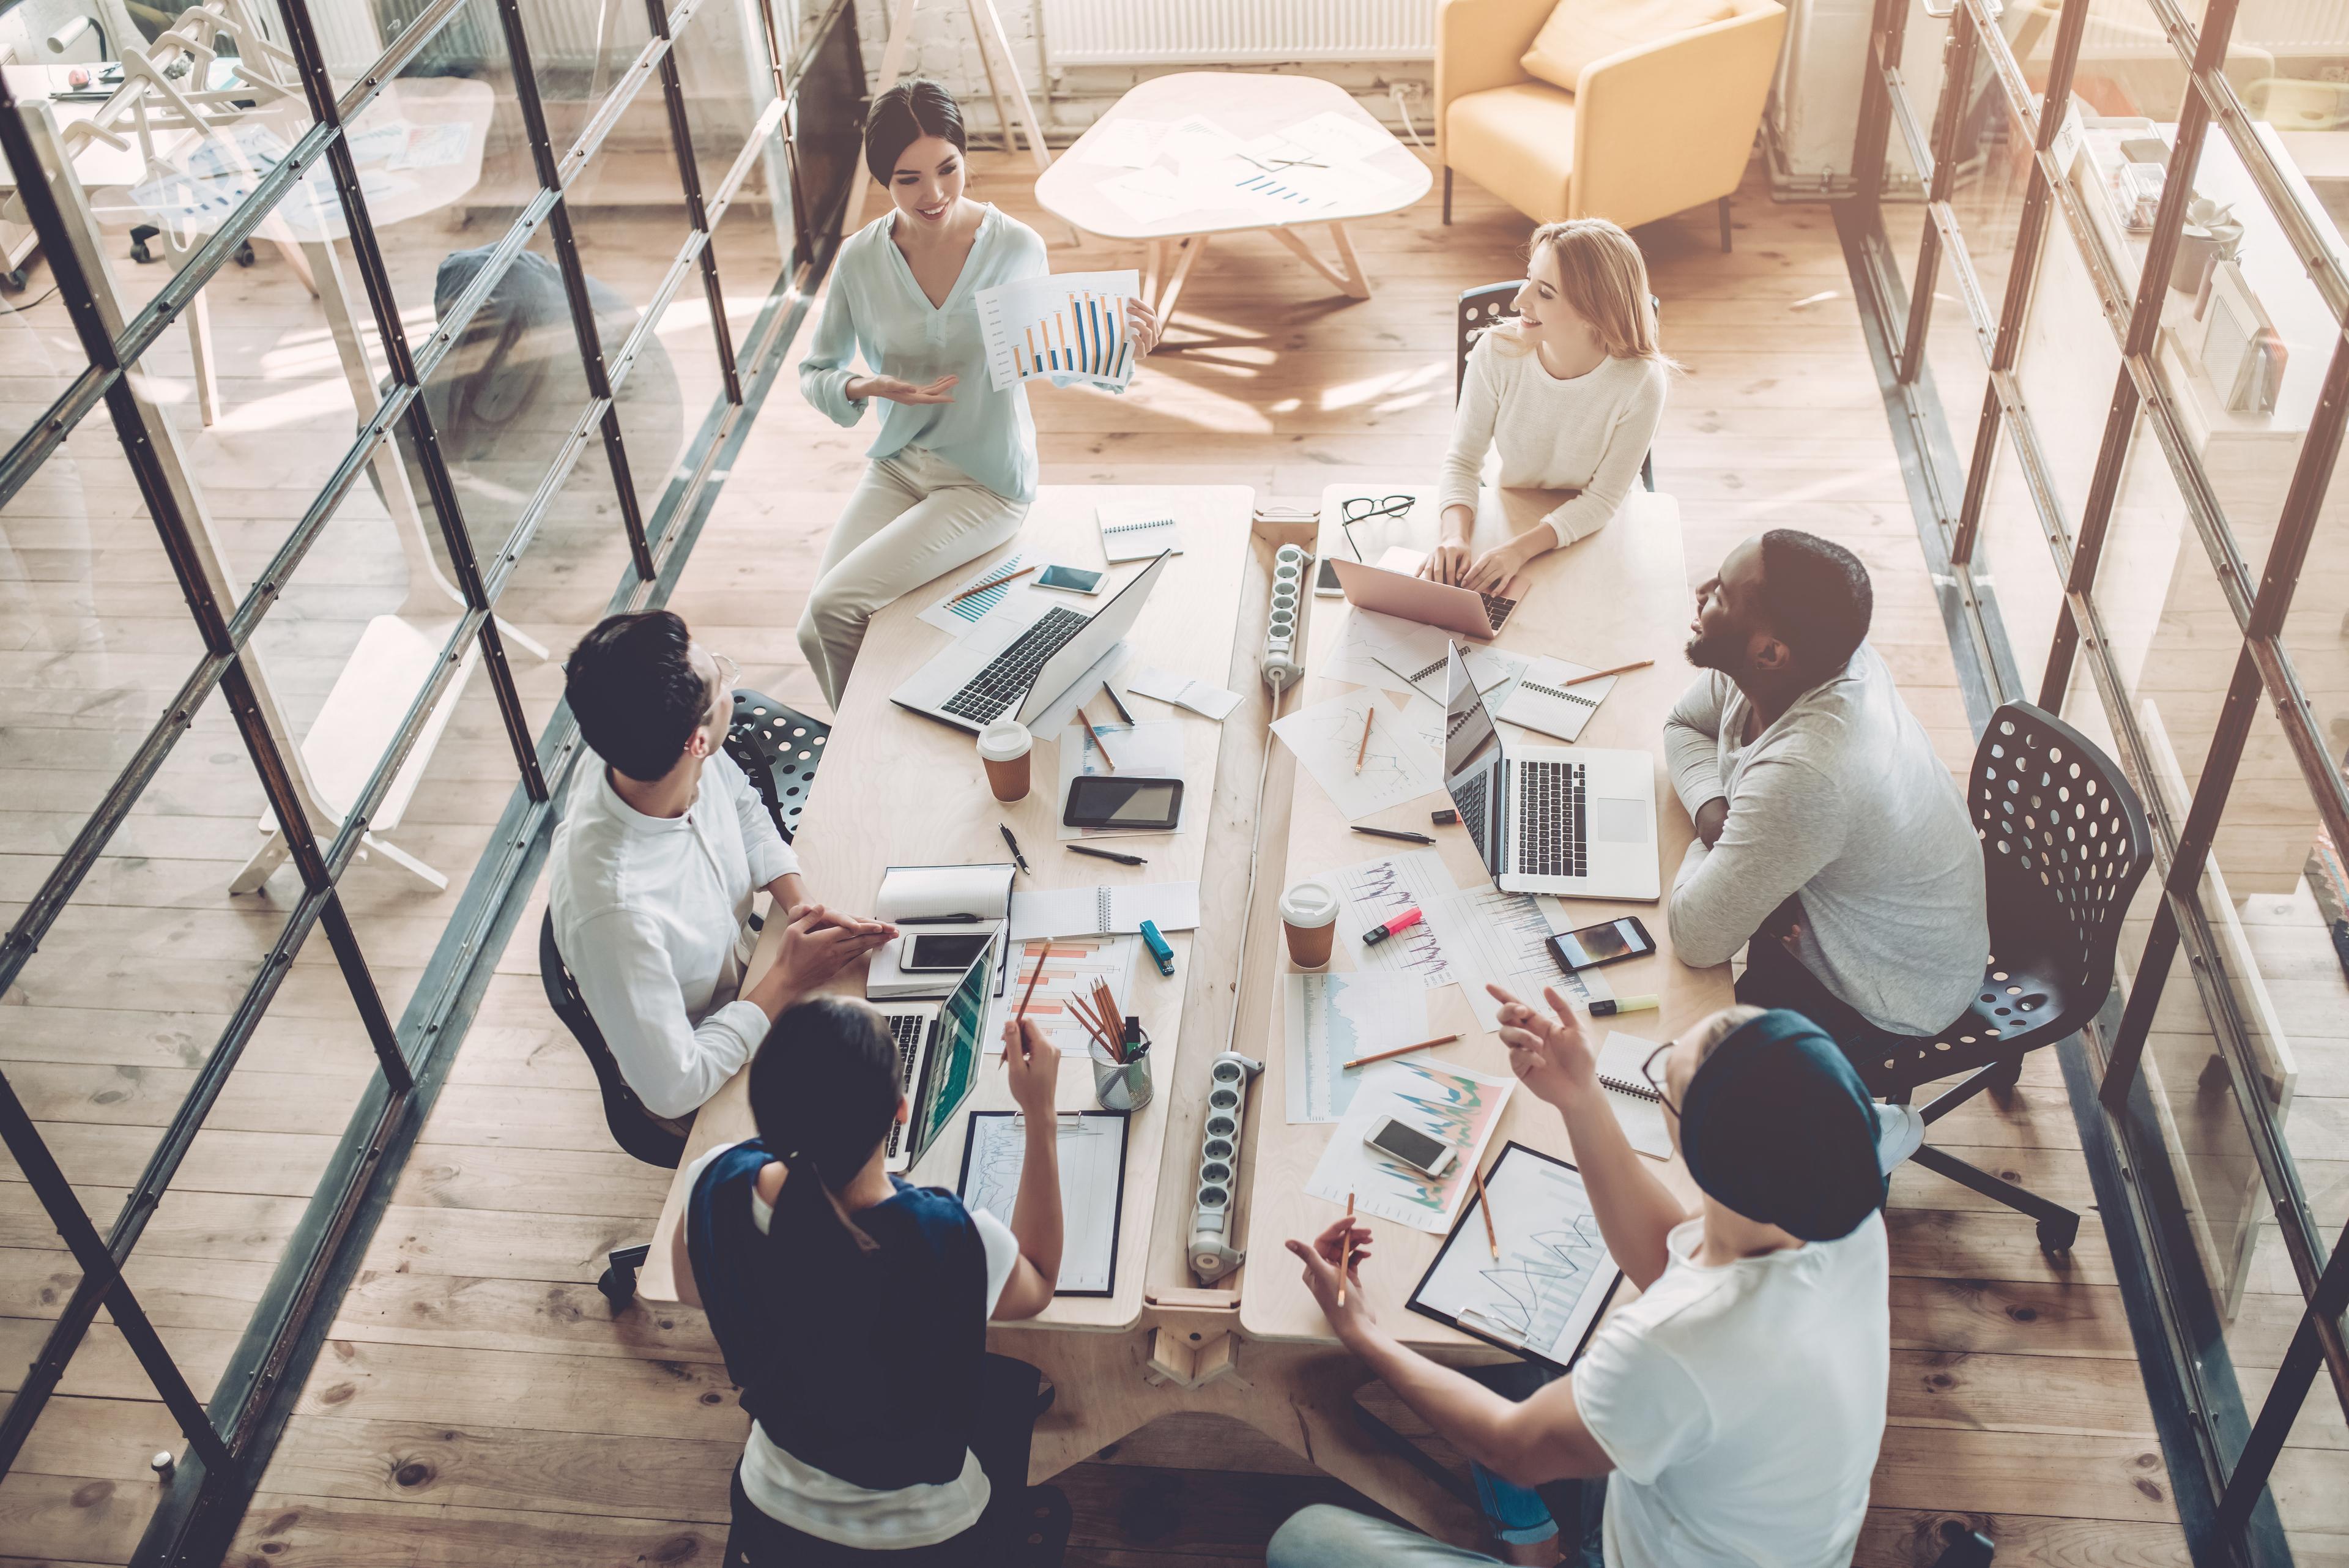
(1582, 31)
(1517, 141)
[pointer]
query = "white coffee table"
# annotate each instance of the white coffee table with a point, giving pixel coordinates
(1176, 213)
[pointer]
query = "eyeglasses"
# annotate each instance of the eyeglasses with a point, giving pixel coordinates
(1648, 1071)
(730, 676)
(1355, 508)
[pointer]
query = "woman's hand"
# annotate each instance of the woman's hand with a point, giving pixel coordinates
(1448, 562)
(1141, 324)
(1321, 1262)
(1032, 1065)
(892, 389)
(1549, 1053)
(1489, 572)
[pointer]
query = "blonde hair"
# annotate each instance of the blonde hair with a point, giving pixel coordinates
(1605, 281)
(1711, 1032)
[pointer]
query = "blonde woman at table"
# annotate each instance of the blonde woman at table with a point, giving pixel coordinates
(1570, 391)
(953, 469)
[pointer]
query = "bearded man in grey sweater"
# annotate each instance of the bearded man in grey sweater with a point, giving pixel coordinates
(1832, 844)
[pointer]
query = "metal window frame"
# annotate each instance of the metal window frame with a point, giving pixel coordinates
(229, 1440)
(2244, 1518)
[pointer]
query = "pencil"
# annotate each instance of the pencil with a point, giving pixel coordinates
(1400, 1050)
(1107, 760)
(978, 588)
(1484, 1207)
(1346, 1250)
(1364, 749)
(1603, 674)
(1077, 1007)
(1041, 954)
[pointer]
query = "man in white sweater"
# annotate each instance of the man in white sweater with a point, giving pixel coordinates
(661, 850)
(1832, 844)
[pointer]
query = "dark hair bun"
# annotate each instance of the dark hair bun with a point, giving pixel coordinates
(907, 112)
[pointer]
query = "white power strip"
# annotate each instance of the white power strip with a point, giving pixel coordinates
(1212, 1253)
(1282, 660)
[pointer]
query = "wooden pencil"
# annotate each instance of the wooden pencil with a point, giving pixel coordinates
(1401, 1050)
(1346, 1250)
(1484, 1207)
(977, 588)
(1603, 674)
(1107, 760)
(1041, 954)
(1364, 749)
(1106, 1000)
(1084, 1018)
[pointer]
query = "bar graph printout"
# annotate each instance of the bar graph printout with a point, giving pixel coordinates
(1070, 326)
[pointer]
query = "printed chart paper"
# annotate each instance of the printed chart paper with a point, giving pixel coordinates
(955, 616)
(1451, 1105)
(1092, 1187)
(1069, 325)
(1334, 1019)
(1494, 938)
(1376, 892)
(1070, 966)
(1397, 764)
(1553, 1277)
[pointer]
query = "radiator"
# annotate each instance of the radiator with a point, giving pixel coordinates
(1236, 32)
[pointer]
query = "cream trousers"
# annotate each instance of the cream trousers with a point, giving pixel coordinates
(914, 517)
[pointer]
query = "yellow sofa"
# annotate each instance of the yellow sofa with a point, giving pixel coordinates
(1649, 130)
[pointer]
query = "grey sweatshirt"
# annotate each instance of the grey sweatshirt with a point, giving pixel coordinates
(1843, 802)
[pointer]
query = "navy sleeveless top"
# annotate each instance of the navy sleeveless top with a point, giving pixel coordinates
(867, 1370)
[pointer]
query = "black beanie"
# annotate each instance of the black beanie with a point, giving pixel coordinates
(1777, 1126)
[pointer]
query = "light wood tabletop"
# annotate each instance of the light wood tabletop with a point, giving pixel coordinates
(1621, 595)
(896, 789)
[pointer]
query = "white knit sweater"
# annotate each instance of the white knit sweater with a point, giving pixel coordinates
(1589, 434)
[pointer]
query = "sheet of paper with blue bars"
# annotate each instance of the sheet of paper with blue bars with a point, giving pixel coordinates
(1068, 326)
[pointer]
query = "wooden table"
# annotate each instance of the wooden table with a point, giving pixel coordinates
(1247, 105)
(900, 790)
(1622, 594)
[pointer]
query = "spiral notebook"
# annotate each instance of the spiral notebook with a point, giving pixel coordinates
(1637, 1108)
(1103, 911)
(1137, 530)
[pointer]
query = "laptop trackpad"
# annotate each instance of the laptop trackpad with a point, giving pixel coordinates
(1619, 821)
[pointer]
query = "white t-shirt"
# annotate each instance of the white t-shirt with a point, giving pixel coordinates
(822, 1505)
(1744, 1405)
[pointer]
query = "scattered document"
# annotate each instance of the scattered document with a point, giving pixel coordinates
(1542, 700)
(1494, 938)
(1102, 911)
(1375, 892)
(1376, 649)
(1121, 143)
(1151, 196)
(1071, 964)
(1334, 1019)
(1151, 750)
(1068, 326)
(1062, 712)
(1137, 530)
(1637, 1108)
(1362, 778)
(955, 615)
(1092, 1187)
(1543, 1296)
(1451, 1104)
(1185, 692)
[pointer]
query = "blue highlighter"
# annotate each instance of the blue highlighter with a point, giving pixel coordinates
(1159, 951)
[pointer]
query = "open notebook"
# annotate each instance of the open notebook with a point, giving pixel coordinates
(1637, 1107)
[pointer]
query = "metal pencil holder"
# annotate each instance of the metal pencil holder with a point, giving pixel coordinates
(1121, 1085)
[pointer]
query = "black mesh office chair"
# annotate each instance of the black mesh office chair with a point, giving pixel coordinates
(778, 747)
(1480, 310)
(2064, 848)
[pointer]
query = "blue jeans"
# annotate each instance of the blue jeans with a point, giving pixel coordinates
(1519, 1514)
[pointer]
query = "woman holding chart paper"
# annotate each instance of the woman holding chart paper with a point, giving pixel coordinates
(953, 469)
(852, 1307)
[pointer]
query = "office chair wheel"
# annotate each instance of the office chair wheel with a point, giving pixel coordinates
(13, 280)
(245, 253)
(2058, 1232)
(620, 1289)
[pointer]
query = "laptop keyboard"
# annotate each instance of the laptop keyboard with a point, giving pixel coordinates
(1005, 680)
(1469, 799)
(1553, 836)
(1498, 609)
(905, 1030)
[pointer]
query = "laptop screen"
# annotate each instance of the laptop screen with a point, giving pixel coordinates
(952, 1070)
(1472, 761)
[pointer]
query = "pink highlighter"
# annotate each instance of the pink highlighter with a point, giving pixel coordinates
(1395, 927)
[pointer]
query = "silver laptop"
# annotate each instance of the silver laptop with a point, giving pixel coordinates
(1016, 665)
(1566, 820)
(939, 1054)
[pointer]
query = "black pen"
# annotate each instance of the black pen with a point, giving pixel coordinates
(1393, 833)
(940, 920)
(1018, 860)
(1113, 703)
(1105, 855)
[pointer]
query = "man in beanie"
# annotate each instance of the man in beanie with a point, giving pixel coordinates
(1734, 1408)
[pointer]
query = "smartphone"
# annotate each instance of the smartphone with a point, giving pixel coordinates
(1113, 800)
(1076, 579)
(945, 952)
(1411, 1147)
(1325, 580)
(1603, 944)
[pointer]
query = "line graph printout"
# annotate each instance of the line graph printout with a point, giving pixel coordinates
(1544, 1293)
(1451, 1104)
(1375, 892)
(1070, 326)
(1092, 1187)
(1503, 938)
(1334, 1019)
(1398, 764)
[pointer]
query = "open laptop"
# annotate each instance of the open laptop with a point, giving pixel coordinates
(1568, 820)
(1463, 612)
(1016, 664)
(939, 1054)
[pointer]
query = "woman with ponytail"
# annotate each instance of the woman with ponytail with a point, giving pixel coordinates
(852, 1306)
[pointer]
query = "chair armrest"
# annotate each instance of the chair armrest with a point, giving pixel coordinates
(1669, 125)
(1478, 44)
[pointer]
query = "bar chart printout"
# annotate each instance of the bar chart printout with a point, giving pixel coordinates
(1070, 326)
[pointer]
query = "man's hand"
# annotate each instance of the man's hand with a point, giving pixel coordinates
(1710, 817)
(1031, 1064)
(1551, 1054)
(892, 389)
(816, 945)
(1321, 1261)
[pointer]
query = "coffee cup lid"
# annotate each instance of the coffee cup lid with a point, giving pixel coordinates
(1005, 738)
(1308, 904)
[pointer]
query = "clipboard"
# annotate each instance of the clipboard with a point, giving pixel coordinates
(1468, 1232)
(1090, 1229)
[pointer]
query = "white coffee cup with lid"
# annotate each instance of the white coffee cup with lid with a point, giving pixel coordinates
(1308, 918)
(1004, 746)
